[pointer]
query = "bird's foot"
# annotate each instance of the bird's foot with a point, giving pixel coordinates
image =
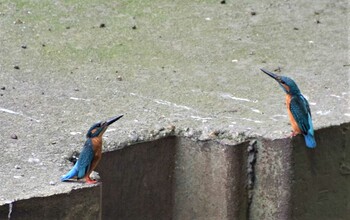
(88, 180)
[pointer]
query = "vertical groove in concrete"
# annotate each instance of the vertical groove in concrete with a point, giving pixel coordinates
(209, 180)
(271, 193)
(138, 181)
(237, 181)
(321, 186)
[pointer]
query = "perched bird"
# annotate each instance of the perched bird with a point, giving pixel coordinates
(91, 154)
(298, 109)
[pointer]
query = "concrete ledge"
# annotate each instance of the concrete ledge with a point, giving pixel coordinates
(178, 178)
(78, 204)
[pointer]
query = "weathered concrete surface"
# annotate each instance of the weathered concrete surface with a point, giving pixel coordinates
(293, 182)
(77, 204)
(138, 181)
(210, 181)
(272, 186)
(321, 178)
(193, 65)
(175, 178)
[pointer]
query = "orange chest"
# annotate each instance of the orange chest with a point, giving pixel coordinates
(97, 145)
(294, 124)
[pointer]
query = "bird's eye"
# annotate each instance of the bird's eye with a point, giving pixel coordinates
(283, 82)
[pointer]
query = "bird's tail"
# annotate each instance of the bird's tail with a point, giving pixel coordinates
(310, 140)
(73, 172)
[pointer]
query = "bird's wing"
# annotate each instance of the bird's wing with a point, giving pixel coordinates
(85, 159)
(301, 112)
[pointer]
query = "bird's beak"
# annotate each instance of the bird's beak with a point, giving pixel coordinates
(276, 77)
(112, 120)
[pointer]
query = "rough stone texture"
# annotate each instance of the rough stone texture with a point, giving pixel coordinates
(138, 181)
(210, 181)
(78, 204)
(294, 182)
(321, 177)
(271, 192)
(186, 68)
(175, 178)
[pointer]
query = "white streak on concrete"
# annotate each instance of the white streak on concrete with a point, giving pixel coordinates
(200, 118)
(347, 114)
(255, 110)
(323, 112)
(255, 121)
(336, 96)
(79, 99)
(226, 95)
(17, 113)
(75, 132)
(10, 210)
(163, 102)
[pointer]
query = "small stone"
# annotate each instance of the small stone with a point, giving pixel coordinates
(76, 89)
(134, 27)
(14, 136)
(16, 67)
(52, 183)
(18, 21)
(102, 25)
(223, 2)
(24, 46)
(119, 78)
(3, 88)
(295, 28)
(171, 127)
(253, 13)
(17, 167)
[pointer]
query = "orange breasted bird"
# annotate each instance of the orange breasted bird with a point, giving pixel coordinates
(91, 154)
(298, 109)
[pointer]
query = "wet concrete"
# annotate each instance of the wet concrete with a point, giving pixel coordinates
(185, 69)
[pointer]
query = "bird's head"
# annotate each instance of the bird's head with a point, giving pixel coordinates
(287, 84)
(99, 128)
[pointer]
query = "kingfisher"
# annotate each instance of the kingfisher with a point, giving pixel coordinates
(298, 109)
(91, 154)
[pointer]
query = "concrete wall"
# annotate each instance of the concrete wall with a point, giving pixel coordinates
(178, 178)
(294, 182)
(77, 204)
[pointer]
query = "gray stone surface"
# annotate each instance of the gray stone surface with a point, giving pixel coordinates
(184, 68)
(77, 204)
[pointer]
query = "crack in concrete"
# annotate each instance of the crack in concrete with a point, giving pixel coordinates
(252, 154)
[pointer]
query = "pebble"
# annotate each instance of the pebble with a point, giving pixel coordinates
(13, 136)
(52, 183)
(17, 167)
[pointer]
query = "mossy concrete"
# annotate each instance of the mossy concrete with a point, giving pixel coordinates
(185, 68)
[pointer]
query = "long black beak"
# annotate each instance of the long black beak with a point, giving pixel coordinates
(276, 77)
(112, 120)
